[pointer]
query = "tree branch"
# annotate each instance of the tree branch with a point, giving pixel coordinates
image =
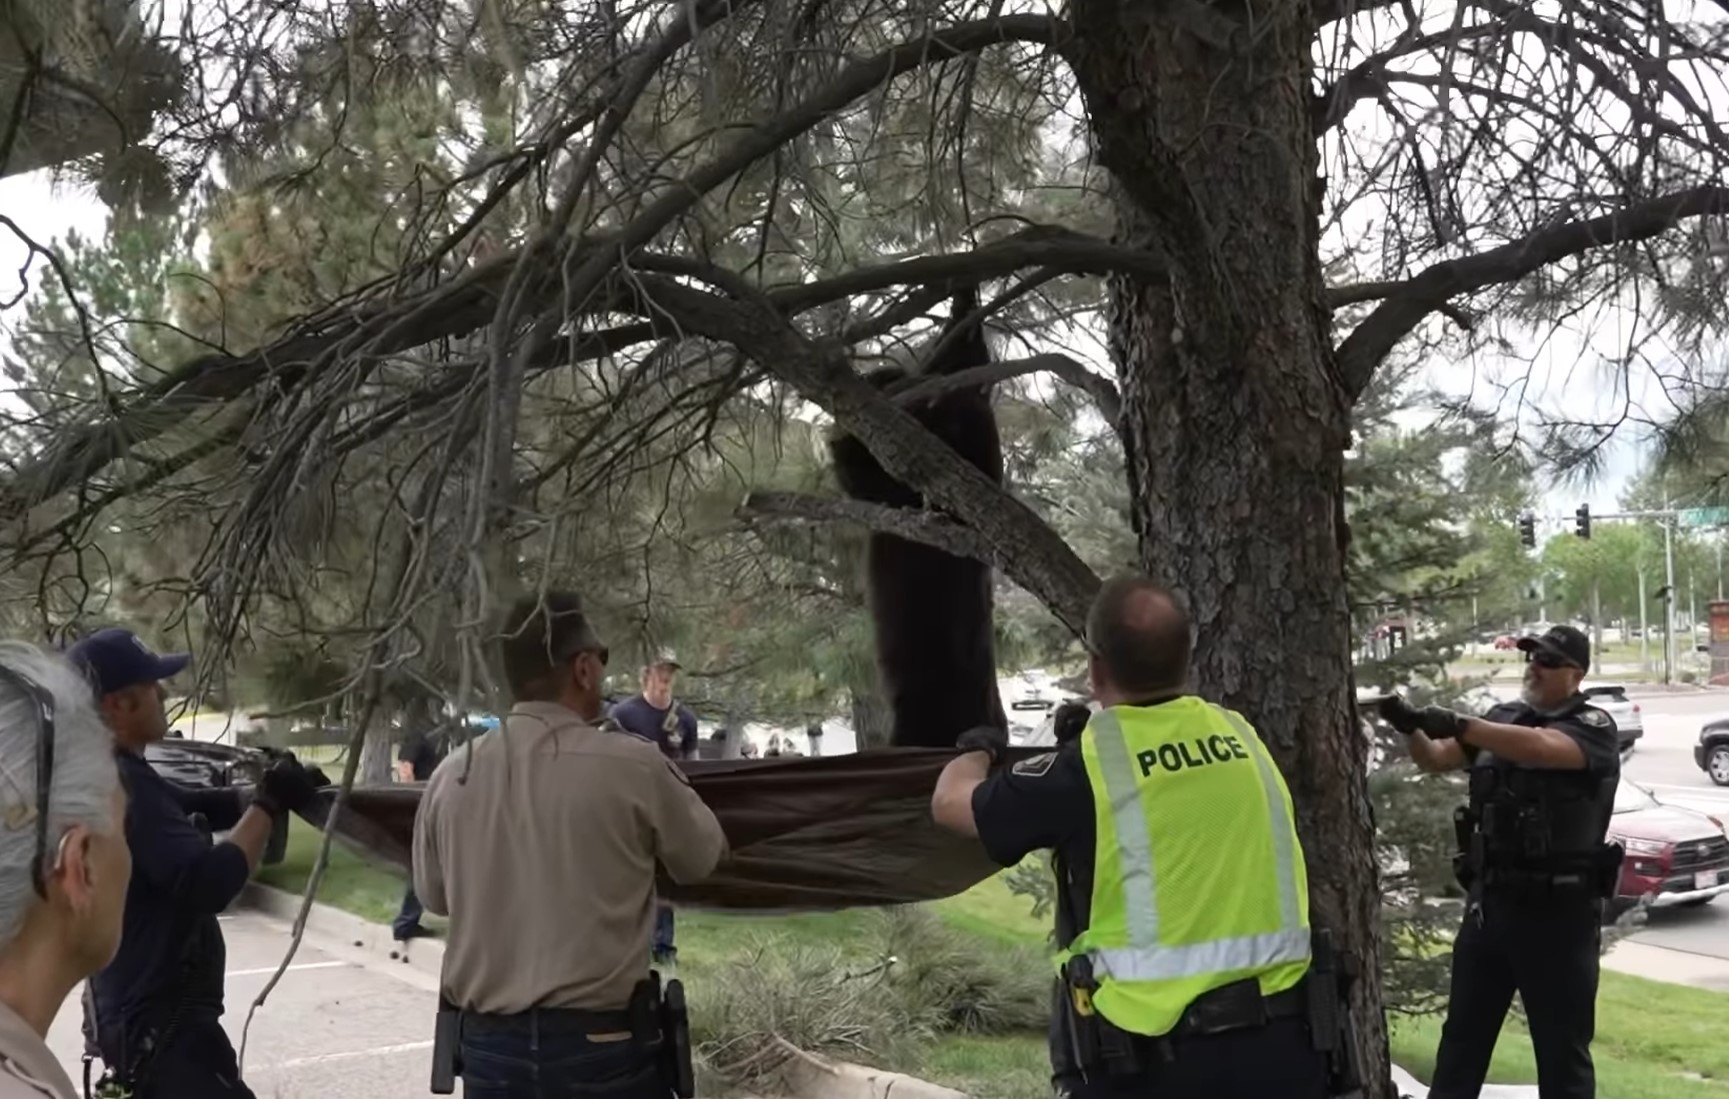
(466, 305)
(769, 134)
(1408, 302)
(1323, 12)
(1103, 393)
(1038, 245)
(914, 525)
(470, 302)
(1031, 553)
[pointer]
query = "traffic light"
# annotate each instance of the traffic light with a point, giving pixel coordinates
(1528, 530)
(1582, 521)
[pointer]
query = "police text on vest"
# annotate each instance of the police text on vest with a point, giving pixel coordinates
(1191, 753)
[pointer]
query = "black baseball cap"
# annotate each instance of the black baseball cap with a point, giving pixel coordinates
(115, 659)
(1564, 642)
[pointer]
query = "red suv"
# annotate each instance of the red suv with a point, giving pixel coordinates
(1675, 856)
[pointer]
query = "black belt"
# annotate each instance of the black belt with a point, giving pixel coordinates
(567, 1019)
(1219, 1011)
(1533, 878)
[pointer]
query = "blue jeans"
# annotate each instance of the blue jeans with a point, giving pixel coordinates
(663, 945)
(548, 1055)
(408, 916)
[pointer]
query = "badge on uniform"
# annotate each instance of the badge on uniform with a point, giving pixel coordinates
(1035, 766)
(1594, 717)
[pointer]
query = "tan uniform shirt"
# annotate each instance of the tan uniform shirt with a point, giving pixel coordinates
(544, 860)
(28, 1069)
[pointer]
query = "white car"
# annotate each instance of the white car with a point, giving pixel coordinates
(1612, 699)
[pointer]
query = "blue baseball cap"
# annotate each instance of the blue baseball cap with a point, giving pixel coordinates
(115, 659)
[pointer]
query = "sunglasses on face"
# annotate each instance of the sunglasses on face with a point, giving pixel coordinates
(1548, 660)
(43, 703)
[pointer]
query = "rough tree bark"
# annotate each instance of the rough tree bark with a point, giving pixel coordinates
(872, 720)
(1235, 419)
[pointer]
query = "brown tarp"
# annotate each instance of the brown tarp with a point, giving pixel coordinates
(806, 834)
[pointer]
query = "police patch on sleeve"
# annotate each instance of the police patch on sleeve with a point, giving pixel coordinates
(1035, 766)
(1594, 717)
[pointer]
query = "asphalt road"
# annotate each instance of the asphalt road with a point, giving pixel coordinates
(337, 1025)
(1663, 764)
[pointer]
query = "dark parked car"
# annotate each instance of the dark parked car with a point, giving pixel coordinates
(1675, 855)
(203, 765)
(1712, 751)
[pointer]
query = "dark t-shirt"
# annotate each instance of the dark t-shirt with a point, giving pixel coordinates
(422, 752)
(673, 729)
(1044, 803)
(180, 881)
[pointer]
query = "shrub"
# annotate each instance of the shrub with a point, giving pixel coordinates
(964, 984)
(881, 1001)
(778, 997)
(1414, 846)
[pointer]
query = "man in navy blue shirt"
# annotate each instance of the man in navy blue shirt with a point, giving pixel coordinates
(654, 716)
(419, 756)
(158, 1004)
(670, 726)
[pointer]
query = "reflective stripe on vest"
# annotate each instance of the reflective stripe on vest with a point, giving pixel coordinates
(1131, 952)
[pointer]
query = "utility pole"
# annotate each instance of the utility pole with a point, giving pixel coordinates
(1719, 564)
(1644, 625)
(1692, 607)
(1597, 620)
(1669, 601)
(1582, 527)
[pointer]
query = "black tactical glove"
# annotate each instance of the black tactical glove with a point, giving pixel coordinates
(1070, 721)
(1437, 722)
(985, 739)
(287, 787)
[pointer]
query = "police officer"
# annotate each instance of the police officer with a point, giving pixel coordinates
(1183, 914)
(416, 759)
(1533, 860)
(540, 841)
(663, 721)
(157, 1006)
(63, 859)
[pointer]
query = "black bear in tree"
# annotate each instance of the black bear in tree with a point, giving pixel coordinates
(932, 611)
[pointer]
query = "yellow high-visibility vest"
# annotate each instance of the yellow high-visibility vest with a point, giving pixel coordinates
(1198, 877)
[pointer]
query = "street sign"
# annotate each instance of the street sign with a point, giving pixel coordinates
(1705, 517)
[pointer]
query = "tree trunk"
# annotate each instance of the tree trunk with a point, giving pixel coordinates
(872, 720)
(1235, 420)
(377, 754)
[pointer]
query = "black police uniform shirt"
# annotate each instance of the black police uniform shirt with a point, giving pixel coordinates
(180, 881)
(1585, 725)
(1045, 802)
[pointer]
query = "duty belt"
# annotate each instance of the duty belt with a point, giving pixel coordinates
(1237, 1006)
(566, 1018)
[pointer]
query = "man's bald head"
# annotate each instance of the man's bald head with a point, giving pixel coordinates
(1138, 633)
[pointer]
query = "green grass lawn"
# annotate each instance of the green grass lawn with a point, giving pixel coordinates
(1650, 1035)
(349, 883)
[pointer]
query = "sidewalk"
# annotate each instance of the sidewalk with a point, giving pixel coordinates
(1659, 963)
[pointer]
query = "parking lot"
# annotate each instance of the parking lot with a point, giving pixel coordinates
(341, 1023)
